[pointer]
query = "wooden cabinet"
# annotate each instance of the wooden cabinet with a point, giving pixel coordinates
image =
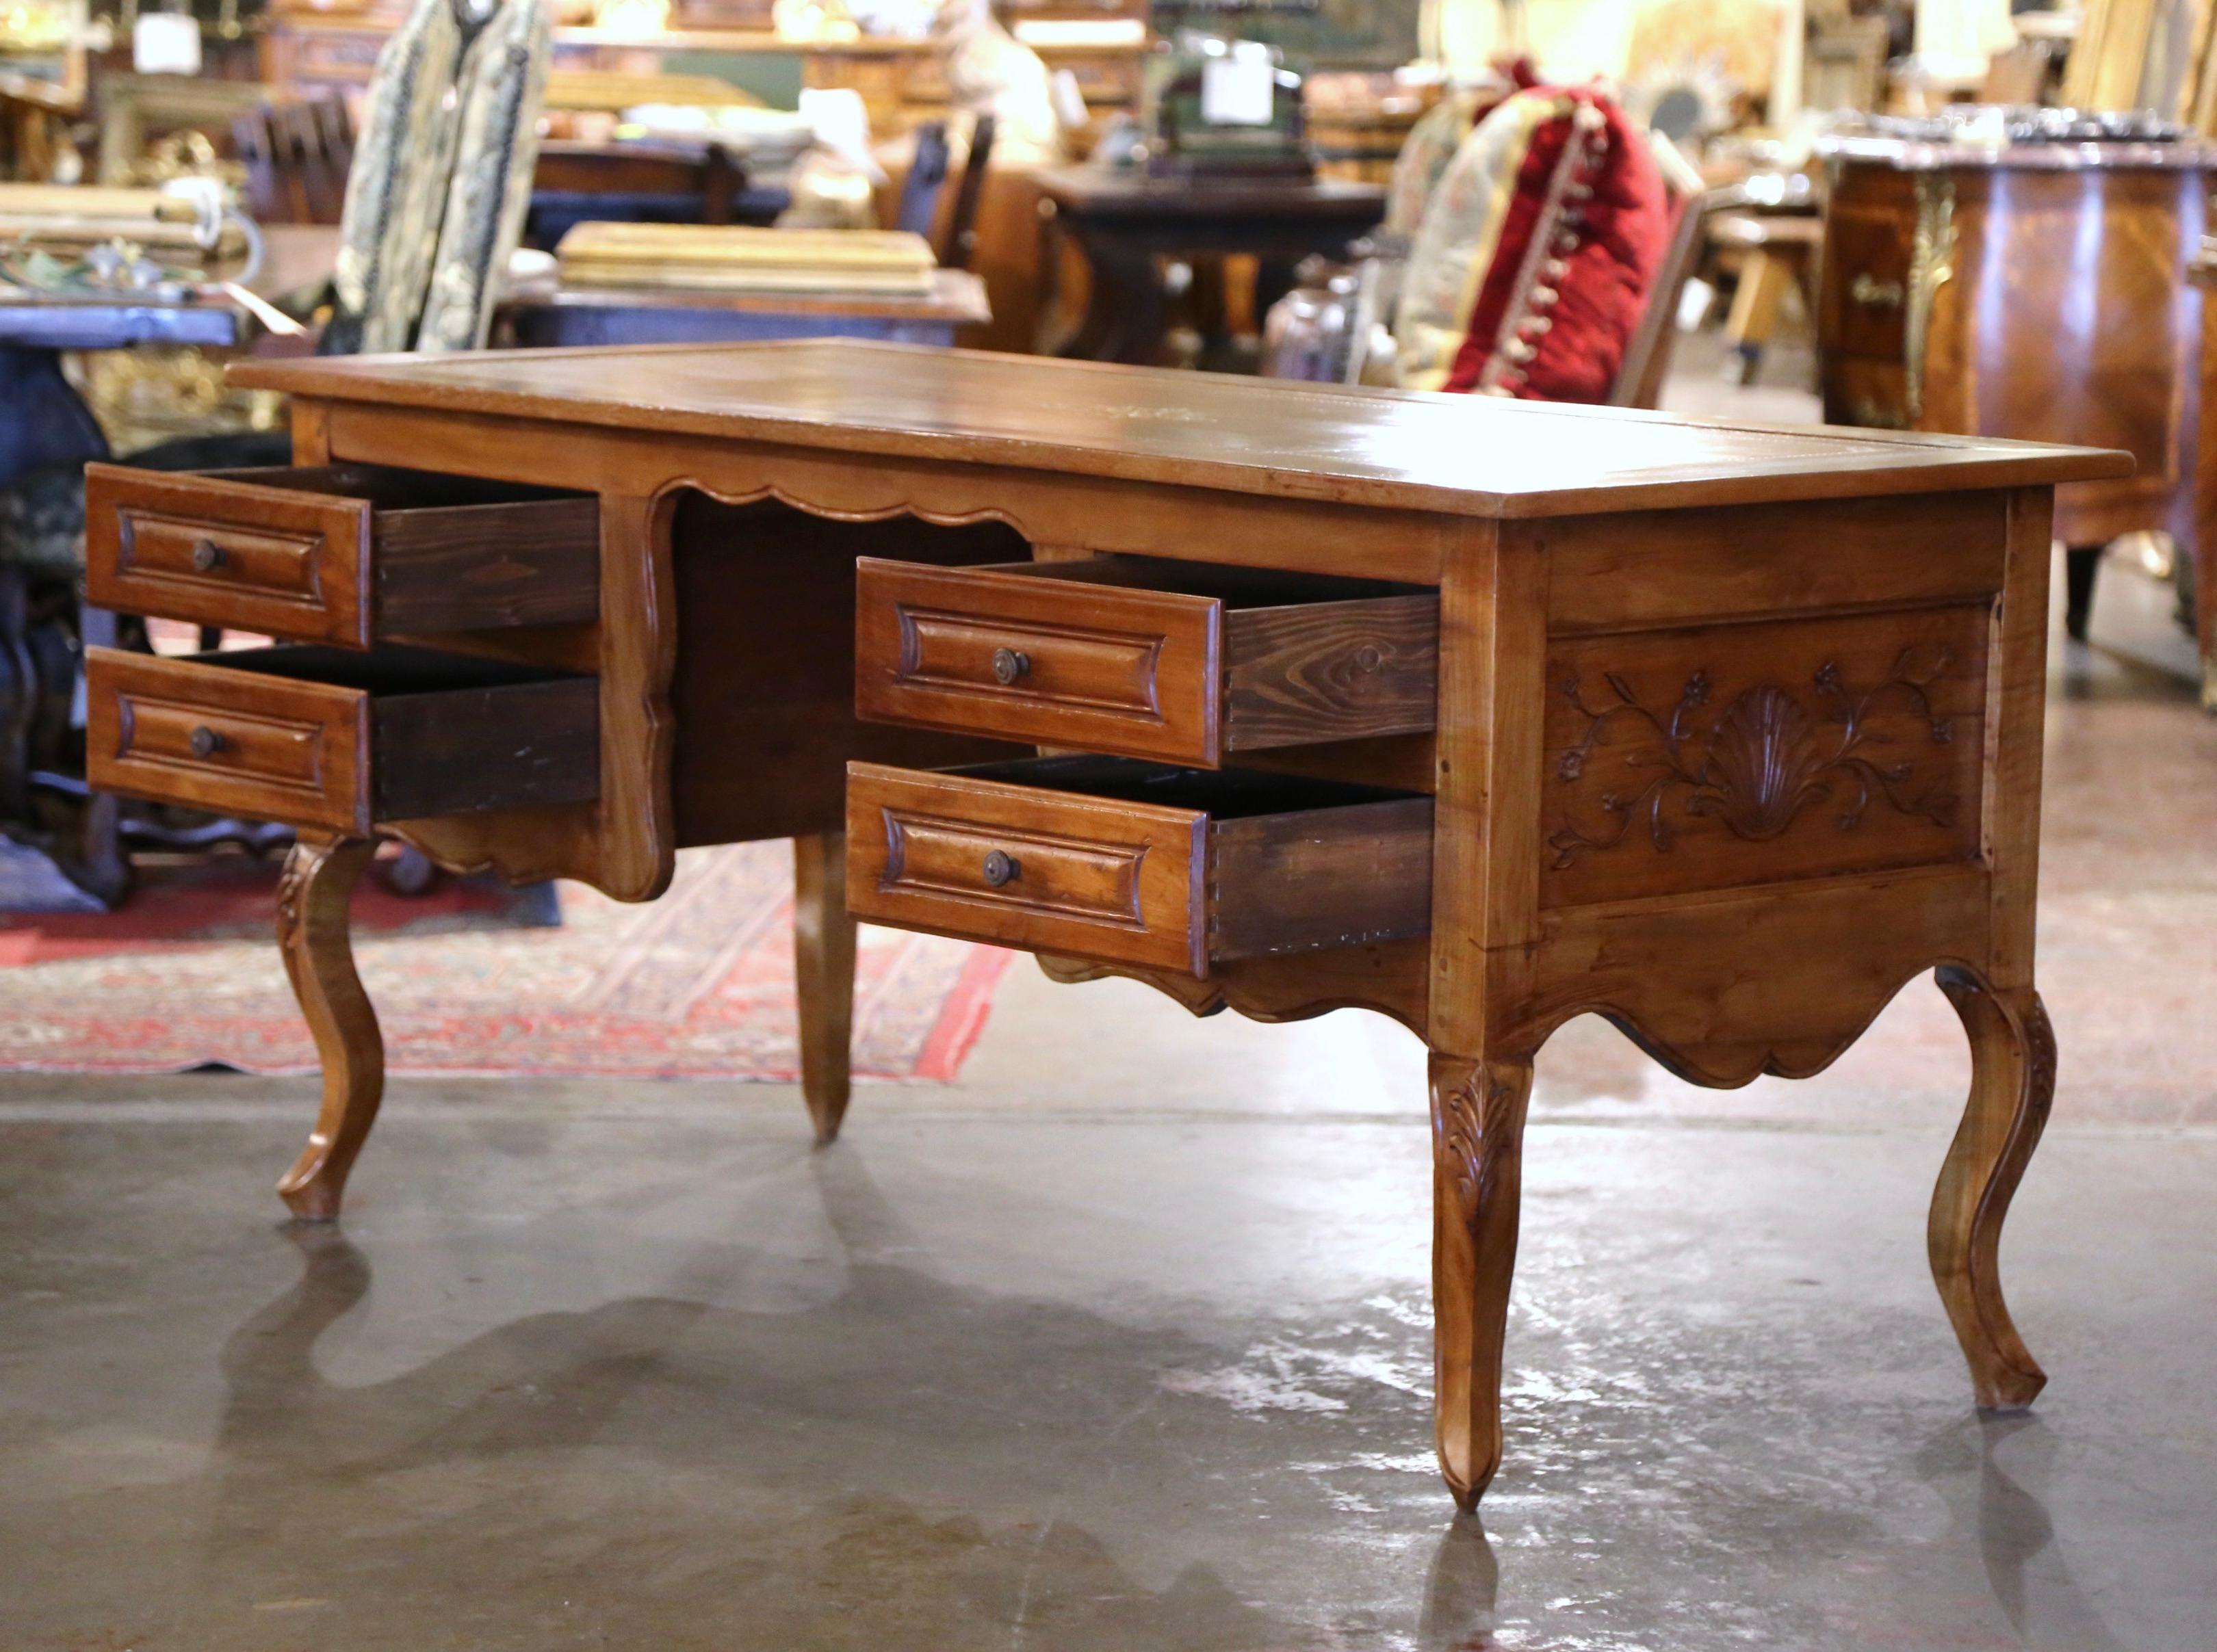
(904, 83)
(2034, 291)
(310, 50)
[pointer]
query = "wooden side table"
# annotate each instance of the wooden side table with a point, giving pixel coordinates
(546, 314)
(1127, 224)
(1479, 713)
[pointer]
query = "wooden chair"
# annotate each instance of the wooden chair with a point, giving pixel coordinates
(631, 184)
(1646, 362)
(955, 248)
(1777, 252)
(917, 210)
(296, 156)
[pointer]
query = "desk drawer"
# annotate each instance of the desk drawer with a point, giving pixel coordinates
(319, 737)
(1135, 862)
(1144, 658)
(346, 554)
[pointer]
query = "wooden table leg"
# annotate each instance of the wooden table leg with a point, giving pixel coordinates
(2082, 567)
(824, 972)
(2012, 1082)
(1477, 1134)
(2204, 552)
(1128, 309)
(1763, 279)
(321, 874)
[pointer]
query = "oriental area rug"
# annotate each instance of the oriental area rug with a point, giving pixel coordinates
(476, 979)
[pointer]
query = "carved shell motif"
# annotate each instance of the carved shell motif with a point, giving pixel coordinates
(1763, 761)
(1764, 766)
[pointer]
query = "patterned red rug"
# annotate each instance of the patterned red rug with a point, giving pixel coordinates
(474, 979)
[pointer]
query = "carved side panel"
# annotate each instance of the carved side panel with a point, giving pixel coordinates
(1719, 757)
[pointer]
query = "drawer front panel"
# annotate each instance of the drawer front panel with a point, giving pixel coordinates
(1132, 673)
(187, 732)
(284, 562)
(1024, 867)
(1039, 872)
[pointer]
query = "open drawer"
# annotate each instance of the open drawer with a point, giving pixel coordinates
(1182, 661)
(342, 554)
(1135, 862)
(321, 736)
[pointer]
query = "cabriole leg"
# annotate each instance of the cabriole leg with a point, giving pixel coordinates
(321, 874)
(824, 972)
(2012, 1082)
(1478, 1133)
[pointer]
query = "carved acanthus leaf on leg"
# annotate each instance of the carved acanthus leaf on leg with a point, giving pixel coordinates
(1478, 1126)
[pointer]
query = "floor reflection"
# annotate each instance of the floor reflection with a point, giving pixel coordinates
(1459, 1596)
(745, 1470)
(2031, 1577)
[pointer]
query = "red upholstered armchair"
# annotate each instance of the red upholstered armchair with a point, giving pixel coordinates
(1537, 254)
(1548, 260)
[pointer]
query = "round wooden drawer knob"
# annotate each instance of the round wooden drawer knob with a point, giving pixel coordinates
(207, 556)
(206, 741)
(1003, 869)
(1008, 664)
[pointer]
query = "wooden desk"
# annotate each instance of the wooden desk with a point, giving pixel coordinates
(1479, 713)
(546, 313)
(1125, 223)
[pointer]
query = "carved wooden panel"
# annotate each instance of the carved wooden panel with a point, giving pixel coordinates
(1714, 757)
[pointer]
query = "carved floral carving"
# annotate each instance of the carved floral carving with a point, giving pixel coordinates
(1756, 766)
(1476, 1118)
(301, 863)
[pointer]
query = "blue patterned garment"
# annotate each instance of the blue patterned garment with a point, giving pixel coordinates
(504, 82)
(397, 189)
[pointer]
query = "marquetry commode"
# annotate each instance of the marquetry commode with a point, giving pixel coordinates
(1478, 713)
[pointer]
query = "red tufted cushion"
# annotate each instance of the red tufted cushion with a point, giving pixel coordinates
(1536, 260)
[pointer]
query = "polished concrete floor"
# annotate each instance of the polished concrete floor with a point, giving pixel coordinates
(1121, 1343)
